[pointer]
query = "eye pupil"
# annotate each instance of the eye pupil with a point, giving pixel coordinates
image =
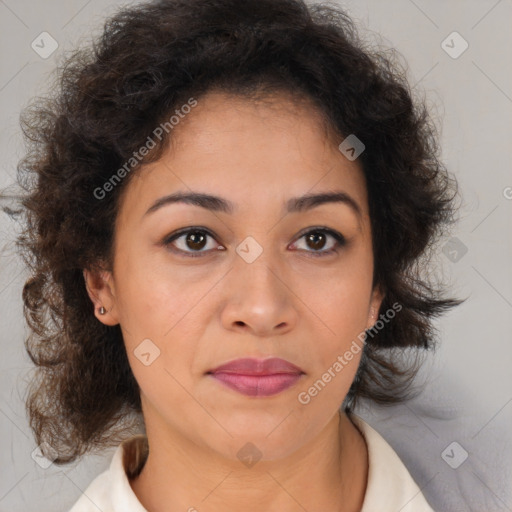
(315, 237)
(197, 239)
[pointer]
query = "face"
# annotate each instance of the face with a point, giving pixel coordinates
(195, 286)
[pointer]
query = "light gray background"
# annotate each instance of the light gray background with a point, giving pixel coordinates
(468, 393)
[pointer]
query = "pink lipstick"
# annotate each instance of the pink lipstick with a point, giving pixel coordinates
(257, 377)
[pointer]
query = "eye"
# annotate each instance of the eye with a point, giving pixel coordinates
(317, 238)
(190, 241)
(193, 242)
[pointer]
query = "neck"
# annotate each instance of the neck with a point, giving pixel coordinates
(329, 473)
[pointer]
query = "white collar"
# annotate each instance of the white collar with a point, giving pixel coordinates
(390, 486)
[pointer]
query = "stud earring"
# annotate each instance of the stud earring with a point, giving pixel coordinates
(372, 311)
(102, 310)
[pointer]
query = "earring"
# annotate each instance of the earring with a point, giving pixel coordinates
(102, 310)
(372, 310)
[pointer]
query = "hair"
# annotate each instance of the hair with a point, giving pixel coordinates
(110, 96)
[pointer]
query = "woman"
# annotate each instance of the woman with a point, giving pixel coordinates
(231, 203)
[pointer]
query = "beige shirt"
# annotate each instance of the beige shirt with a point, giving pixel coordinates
(390, 487)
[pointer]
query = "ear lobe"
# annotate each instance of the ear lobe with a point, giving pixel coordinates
(375, 303)
(100, 288)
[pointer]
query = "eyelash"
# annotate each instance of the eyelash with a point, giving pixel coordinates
(340, 241)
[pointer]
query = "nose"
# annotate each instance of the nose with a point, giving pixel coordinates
(259, 300)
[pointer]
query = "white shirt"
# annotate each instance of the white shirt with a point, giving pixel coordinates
(390, 487)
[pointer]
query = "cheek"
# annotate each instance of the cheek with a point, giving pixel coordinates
(149, 304)
(160, 322)
(342, 312)
(324, 391)
(340, 303)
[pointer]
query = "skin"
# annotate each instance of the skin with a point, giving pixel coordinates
(204, 311)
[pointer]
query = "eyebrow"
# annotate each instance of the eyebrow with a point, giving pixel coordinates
(219, 204)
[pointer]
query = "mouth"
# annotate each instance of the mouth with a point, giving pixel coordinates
(256, 377)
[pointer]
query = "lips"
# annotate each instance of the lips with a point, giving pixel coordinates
(257, 377)
(252, 366)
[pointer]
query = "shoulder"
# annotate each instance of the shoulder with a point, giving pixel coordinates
(96, 496)
(111, 490)
(390, 486)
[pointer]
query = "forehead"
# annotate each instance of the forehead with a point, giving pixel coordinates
(238, 148)
(279, 121)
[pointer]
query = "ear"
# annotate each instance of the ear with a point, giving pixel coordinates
(101, 291)
(375, 303)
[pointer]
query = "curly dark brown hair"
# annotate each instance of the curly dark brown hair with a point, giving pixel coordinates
(110, 97)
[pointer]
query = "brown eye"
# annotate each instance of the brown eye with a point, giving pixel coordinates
(317, 239)
(195, 240)
(191, 242)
